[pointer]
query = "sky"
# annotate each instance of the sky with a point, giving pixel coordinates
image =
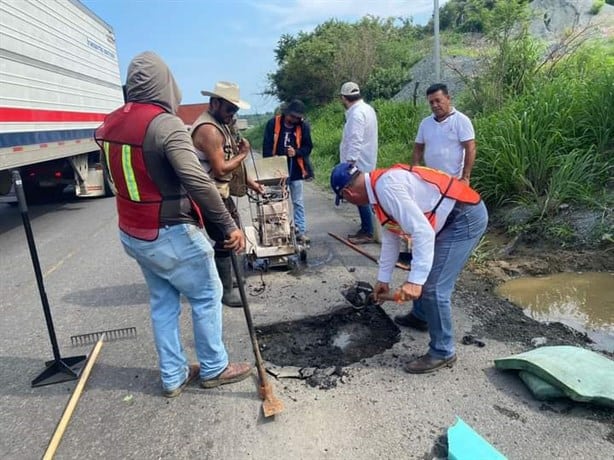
(205, 41)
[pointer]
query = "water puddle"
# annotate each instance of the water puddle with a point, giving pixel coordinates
(584, 301)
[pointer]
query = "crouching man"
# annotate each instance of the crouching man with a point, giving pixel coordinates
(445, 219)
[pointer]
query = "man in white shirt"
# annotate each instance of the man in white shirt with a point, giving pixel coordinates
(359, 147)
(445, 219)
(445, 141)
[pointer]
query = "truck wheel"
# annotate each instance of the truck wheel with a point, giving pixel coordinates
(109, 188)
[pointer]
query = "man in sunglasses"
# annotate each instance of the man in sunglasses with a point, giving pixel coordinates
(290, 135)
(221, 153)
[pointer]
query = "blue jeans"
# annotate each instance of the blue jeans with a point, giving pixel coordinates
(453, 245)
(180, 261)
(366, 219)
(296, 193)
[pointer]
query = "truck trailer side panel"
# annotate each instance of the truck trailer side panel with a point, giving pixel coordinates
(59, 77)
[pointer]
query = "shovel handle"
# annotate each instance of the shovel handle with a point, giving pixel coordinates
(395, 297)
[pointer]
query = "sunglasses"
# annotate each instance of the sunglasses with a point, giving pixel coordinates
(229, 108)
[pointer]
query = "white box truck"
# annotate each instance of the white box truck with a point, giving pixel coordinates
(59, 77)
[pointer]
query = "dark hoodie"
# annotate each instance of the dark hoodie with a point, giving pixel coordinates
(168, 150)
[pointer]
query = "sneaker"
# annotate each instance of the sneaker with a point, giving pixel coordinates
(361, 238)
(234, 372)
(193, 371)
(302, 238)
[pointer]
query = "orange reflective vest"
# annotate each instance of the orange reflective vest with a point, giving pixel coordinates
(298, 132)
(139, 200)
(449, 187)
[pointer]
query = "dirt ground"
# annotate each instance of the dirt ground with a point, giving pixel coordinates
(501, 320)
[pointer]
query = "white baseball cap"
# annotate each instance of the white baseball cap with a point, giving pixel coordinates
(350, 89)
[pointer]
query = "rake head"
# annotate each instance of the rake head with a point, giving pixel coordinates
(109, 335)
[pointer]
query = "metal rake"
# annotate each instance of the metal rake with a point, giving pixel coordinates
(109, 335)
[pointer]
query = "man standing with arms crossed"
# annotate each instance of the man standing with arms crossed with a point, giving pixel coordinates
(221, 154)
(359, 147)
(445, 141)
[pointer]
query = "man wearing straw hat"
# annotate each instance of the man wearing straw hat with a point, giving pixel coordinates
(222, 153)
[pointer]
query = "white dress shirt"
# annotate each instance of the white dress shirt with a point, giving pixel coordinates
(359, 140)
(405, 197)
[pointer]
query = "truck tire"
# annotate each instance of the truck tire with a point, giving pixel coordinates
(109, 188)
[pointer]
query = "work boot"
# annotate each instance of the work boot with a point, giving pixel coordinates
(427, 363)
(234, 372)
(409, 320)
(230, 297)
(241, 260)
(361, 238)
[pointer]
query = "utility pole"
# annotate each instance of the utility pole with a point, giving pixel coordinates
(436, 57)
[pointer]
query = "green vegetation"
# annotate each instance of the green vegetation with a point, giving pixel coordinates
(375, 53)
(596, 7)
(544, 120)
(554, 143)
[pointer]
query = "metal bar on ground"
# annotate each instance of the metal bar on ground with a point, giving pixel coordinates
(365, 253)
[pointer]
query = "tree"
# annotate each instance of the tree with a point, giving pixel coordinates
(374, 53)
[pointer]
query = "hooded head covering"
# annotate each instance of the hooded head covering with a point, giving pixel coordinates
(150, 80)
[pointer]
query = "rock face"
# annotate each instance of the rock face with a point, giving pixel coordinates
(423, 74)
(552, 19)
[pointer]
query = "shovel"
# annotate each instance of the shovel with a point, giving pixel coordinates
(270, 405)
(361, 295)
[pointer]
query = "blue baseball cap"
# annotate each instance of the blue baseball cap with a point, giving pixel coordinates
(340, 177)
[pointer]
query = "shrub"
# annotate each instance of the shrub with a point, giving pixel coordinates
(596, 7)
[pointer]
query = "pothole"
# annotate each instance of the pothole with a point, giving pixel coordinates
(340, 338)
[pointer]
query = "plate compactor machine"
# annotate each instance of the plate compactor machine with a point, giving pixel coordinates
(272, 240)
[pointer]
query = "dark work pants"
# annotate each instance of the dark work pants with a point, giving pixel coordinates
(216, 234)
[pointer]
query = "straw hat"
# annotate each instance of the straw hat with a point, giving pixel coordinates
(228, 91)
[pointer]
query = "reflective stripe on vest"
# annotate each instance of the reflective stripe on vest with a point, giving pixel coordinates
(448, 186)
(298, 134)
(133, 190)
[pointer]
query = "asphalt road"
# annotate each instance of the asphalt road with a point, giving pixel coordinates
(379, 412)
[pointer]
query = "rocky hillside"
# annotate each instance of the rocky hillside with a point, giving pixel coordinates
(552, 19)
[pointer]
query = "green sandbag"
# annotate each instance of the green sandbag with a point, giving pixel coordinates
(581, 374)
(541, 390)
